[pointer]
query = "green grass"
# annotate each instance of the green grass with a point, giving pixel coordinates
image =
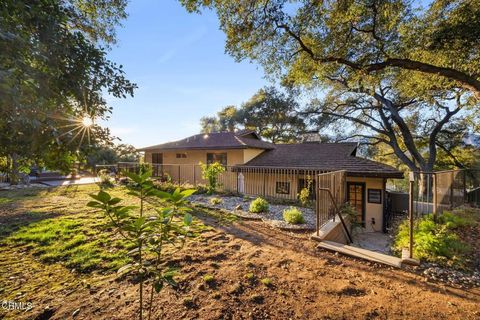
(56, 227)
(78, 242)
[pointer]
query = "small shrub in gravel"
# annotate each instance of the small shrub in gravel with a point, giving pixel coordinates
(259, 205)
(293, 216)
(216, 201)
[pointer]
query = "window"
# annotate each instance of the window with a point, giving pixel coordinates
(181, 155)
(374, 195)
(157, 158)
(282, 187)
(217, 157)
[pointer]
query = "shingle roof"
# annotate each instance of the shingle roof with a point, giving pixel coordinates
(325, 157)
(218, 140)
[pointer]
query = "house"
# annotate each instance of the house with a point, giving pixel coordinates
(257, 167)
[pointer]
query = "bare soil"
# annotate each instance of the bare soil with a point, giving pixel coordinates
(306, 283)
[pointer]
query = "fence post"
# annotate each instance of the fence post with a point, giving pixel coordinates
(410, 213)
(452, 179)
(317, 206)
(435, 197)
(264, 182)
(194, 177)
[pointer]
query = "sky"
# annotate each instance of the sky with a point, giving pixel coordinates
(179, 63)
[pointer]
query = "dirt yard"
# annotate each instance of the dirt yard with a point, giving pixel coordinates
(257, 273)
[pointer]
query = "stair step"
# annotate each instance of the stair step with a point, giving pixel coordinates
(361, 253)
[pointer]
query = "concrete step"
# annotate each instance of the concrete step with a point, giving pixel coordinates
(361, 253)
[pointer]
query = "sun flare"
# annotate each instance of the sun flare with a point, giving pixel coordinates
(87, 121)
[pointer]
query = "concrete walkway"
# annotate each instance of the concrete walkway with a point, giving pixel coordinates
(84, 180)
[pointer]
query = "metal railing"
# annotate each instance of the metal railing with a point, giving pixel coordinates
(434, 192)
(267, 182)
(335, 183)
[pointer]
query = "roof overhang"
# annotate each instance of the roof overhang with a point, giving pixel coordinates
(201, 148)
(302, 170)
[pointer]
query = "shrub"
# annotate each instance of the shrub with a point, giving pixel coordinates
(433, 241)
(151, 234)
(293, 216)
(215, 201)
(259, 205)
(210, 172)
(351, 215)
(106, 180)
(304, 195)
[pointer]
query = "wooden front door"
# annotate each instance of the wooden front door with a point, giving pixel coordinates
(356, 198)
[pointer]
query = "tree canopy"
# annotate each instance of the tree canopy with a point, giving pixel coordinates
(310, 41)
(54, 73)
(388, 73)
(271, 113)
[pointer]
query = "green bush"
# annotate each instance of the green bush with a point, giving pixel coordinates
(434, 241)
(304, 195)
(293, 216)
(210, 172)
(106, 180)
(215, 201)
(259, 205)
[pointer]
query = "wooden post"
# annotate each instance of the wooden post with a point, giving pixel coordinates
(317, 207)
(264, 182)
(452, 179)
(194, 177)
(435, 197)
(410, 214)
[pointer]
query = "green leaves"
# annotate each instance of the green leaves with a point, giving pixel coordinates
(149, 234)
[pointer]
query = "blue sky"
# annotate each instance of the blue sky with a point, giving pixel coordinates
(178, 61)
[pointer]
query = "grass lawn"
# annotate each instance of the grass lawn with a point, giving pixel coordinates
(59, 255)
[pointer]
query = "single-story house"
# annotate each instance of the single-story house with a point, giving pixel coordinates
(258, 167)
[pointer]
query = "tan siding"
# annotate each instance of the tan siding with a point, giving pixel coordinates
(372, 210)
(249, 154)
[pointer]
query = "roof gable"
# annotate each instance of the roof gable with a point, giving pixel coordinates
(217, 140)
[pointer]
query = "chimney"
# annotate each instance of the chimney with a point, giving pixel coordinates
(311, 137)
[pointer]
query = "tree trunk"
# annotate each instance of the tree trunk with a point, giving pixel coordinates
(14, 173)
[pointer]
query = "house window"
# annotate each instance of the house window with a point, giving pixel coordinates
(157, 158)
(181, 155)
(217, 157)
(282, 187)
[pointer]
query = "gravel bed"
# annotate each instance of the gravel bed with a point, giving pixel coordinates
(239, 206)
(451, 276)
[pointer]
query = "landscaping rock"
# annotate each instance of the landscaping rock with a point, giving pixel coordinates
(273, 217)
(451, 276)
